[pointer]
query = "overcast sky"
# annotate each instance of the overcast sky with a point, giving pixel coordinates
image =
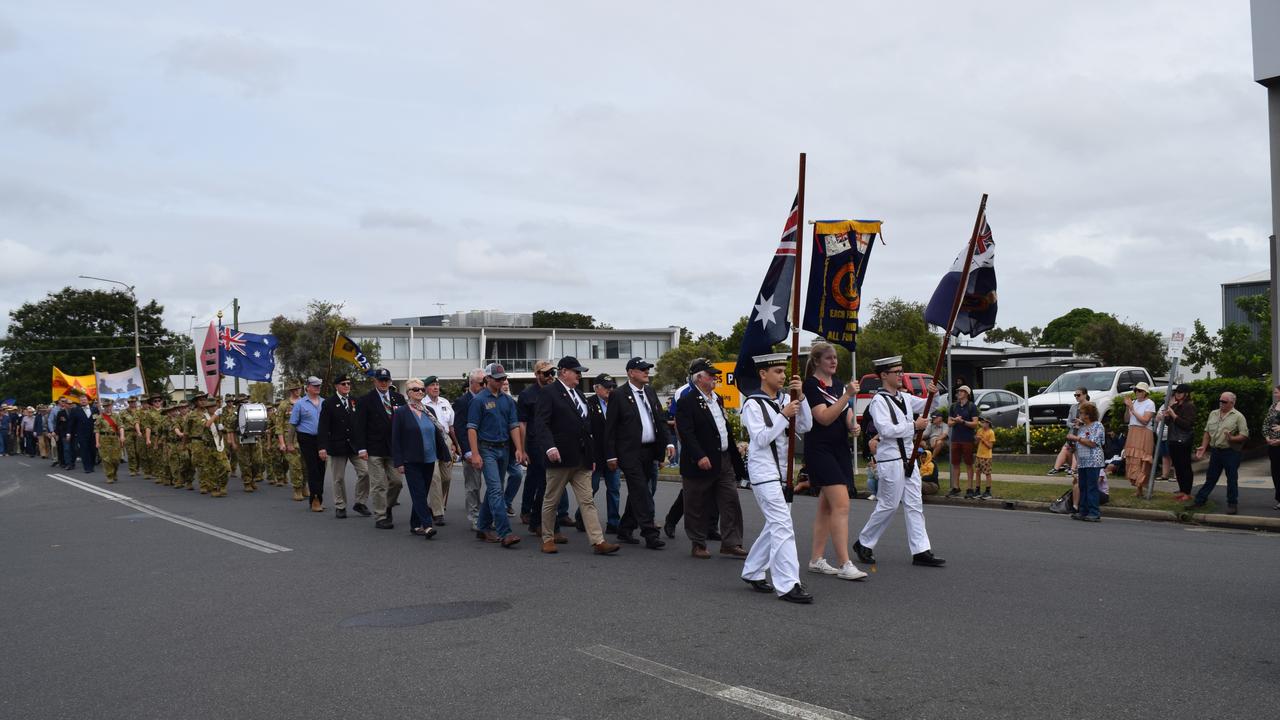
(630, 161)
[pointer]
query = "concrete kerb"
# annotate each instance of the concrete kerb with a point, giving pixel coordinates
(1238, 522)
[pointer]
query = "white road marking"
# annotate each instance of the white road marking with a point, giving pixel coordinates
(23, 464)
(764, 703)
(219, 532)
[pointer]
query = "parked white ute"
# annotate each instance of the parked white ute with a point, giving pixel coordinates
(1051, 405)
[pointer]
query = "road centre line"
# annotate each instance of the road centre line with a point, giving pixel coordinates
(213, 530)
(764, 703)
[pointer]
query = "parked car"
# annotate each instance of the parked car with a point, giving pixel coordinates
(1050, 407)
(1001, 407)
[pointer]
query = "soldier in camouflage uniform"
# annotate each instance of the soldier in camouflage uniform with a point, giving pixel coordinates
(287, 441)
(132, 436)
(228, 422)
(272, 455)
(163, 431)
(210, 462)
(248, 451)
(150, 424)
(180, 461)
(173, 443)
(109, 439)
(224, 407)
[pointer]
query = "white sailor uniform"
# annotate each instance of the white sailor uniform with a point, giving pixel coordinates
(775, 549)
(896, 426)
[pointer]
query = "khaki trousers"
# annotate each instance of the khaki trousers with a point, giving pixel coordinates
(438, 497)
(337, 467)
(580, 480)
(384, 485)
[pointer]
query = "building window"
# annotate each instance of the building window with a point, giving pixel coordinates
(473, 348)
(386, 348)
(416, 347)
(611, 349)
(401, 347)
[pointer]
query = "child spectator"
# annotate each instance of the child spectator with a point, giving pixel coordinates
(986, 438)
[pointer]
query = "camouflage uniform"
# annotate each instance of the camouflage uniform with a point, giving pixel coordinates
(211, 464)
(109, 444)
(132, 439)
(179, 455)
(277, 469)
(150, 420)
(292, 455)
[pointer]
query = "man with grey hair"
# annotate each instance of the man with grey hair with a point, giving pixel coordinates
(472, 478)
(1224, 435)
(710, 465)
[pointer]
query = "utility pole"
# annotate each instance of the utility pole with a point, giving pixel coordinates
(235, 325)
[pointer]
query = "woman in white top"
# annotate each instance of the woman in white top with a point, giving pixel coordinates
(1139, 445)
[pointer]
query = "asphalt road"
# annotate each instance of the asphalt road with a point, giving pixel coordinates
(113, 612)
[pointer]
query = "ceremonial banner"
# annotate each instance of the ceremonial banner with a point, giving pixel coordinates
(121, 385)
(208, 354)
(344, 348)
(841, 251)
(246, 355)
(64, 384)
(978, 306)
(768, 323)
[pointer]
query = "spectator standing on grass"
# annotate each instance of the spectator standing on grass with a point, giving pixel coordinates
(1088, 440)
(963, 419)
(1271, 432)
(1067, 455)
(986, 442)
(1180, 419)
(1140, 446)
(1224, 434)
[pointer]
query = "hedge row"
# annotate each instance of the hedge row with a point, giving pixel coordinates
(1253, 398)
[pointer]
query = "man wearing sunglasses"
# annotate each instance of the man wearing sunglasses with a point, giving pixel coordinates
(535, 478)
(337, 415)
(1224, 435)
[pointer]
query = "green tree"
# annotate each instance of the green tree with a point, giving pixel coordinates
(1062, 331)
(897, 327)
(1015, 335)
(1201, 348)
(732, 345)
(306, 344)
(71, 326)
(1117, 343)
(1236, 350)
(672, 369)
(566, 320)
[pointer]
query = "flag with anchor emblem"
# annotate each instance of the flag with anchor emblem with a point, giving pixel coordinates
(837, 266)
(769, 324)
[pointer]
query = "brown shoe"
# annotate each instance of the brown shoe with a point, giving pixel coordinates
(733, 551)
(511, 540)
(315, 505)
(559, 539)
(488, 536)
(549, 548)
(297, 494)
(701, 553)
(606, 548)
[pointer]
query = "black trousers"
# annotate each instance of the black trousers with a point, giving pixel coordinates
(1180, 458)
(309, 446)
(676, 512)
(1274, 453)
(639, 508)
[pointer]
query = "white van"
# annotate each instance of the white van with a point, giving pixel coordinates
(1050, 407)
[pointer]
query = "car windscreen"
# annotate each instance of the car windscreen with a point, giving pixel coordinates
(869, 385)
(1093, 381)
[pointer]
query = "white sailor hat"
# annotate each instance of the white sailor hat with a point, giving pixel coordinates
(771, 360)
(885, 363)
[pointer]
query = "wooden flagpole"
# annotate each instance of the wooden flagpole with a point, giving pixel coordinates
(329, 373)
(795, 323)
(137, 361)
(93, 360)
(955, 308)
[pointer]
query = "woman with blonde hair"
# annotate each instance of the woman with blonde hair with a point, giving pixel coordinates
(829, 460)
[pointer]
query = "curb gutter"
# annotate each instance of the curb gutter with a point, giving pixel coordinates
(1238, 522)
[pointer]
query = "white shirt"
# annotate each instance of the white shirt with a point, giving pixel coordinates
(716, 414)
(890, 432)
(443, 410)
(1140, 408)
(646, 421)
(760, 463)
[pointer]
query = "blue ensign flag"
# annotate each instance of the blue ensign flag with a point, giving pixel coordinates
(769, 322)
(246, 355)
(978, 305)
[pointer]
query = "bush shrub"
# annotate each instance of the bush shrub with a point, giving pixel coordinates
(1044, 439)
(1253, 397)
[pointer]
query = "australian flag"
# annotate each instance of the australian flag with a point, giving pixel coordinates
(978, 304)
(769, 322)
(246, 355)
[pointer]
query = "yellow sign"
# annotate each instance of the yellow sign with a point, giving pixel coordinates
(727, 388)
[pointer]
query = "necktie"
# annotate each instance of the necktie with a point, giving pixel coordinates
(386, 404)
(644, 399)
(582, 409)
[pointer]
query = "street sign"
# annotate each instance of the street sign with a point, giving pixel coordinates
(728, 388)
(1177, 339)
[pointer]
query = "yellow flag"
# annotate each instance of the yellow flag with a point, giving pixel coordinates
(64, 384)
(344, 348)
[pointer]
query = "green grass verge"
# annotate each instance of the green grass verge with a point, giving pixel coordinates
(1120, 496)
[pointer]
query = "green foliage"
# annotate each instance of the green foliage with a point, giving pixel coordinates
(732, 345)
(452, 389)
(1012, 334)
(733, 423)
(672, 369)
(305, 345)
(1236, 351)
(1033, 386)
(566, 320)
(1115, 419)
(1045, 439)
(1117, 343)
(1253, 399)
(897, 327)
(1062, 331)
(71, 326)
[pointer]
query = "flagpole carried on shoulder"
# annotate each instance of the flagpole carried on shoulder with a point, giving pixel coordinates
(787, 482)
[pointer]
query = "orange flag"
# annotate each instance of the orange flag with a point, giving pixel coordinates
(64, 384)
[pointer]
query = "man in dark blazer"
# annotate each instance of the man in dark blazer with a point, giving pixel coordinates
(562, 430)
(636, 440)
(337, 416)
(371, 438)
(80, 432)
(61, 420)
(597, 412)
(710, 464)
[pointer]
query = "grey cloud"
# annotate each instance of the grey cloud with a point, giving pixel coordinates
(397, 220)
(69, 114)
(23, 199)
(8, 37)
(252, 65)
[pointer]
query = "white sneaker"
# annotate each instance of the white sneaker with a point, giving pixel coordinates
(850, 572)
(822, 566)
(872, 497)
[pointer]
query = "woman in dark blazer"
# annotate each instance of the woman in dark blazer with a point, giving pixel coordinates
(413, 452)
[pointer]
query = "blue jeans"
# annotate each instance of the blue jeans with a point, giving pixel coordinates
(4, 438)
(417, 476)
(493, 511)
(1088, 477)
(1221, 459)
(612, 481)
(515, 474)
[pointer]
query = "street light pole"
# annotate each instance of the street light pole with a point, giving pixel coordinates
(137, 349)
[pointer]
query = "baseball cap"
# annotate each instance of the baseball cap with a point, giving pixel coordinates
(495, 371)
(638, 363)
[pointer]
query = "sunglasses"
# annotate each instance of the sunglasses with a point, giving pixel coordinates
(417, 389)
(547, 373)
(347, 382)
(1224, 402)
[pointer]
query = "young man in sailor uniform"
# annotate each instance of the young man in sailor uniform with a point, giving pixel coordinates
(766, 418)
(894, 414)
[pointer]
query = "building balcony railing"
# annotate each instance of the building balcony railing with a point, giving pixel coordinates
(520, 365)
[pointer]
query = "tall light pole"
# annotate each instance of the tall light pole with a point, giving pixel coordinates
(137, 349)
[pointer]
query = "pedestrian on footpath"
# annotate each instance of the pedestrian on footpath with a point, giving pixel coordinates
(1088, 442)
(1224, 435)
(1180, 419)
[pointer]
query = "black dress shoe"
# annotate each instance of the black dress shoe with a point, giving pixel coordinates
(865, 556)
(761, 586)
(670, 530)
(797, 594)
(654, 543)
(389, 513)
(361, 509)
(927, 559)
(384, 524)
(340, 513)
(438, 520)
(610, 529)
(627, 539)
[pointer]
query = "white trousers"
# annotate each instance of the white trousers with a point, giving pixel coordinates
(775, 549)
(893, 490)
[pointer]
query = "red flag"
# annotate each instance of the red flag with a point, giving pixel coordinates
(209, 360)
